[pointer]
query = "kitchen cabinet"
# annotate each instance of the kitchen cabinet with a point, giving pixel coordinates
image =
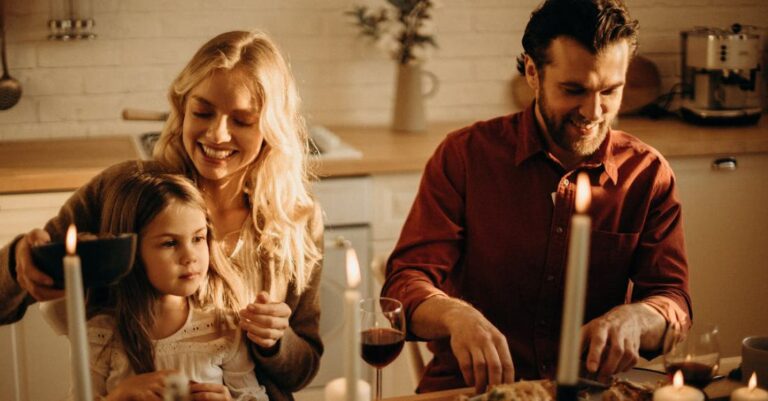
(31, 351)
(393, 196)
(346, 204)
(726, 227)
(379, 203)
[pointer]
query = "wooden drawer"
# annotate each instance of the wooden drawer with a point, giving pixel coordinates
(345, 201)
(23, 212)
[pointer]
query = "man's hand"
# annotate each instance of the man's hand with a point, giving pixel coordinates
(29, 277)
(481, 350)
(615, 339)
(479, 347)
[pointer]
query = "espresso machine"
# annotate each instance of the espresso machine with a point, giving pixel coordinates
(721, 73)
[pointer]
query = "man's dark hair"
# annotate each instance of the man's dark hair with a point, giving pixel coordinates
(593, 23)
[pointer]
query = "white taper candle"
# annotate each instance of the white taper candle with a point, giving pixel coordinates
(576, 280)
(352, 311)
(73, 288)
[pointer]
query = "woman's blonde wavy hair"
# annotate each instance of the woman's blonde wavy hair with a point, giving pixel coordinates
(281, 206)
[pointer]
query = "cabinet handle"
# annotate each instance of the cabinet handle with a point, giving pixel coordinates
(725, 164)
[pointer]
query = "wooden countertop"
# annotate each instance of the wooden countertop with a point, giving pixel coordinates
(66, 164)
(392, 152)
(48, 165)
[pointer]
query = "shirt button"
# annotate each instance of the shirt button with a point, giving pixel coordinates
(543, 367)
(566, 182)
(543, 323)
(559, 230)
(550, 277)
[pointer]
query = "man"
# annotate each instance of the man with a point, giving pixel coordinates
(480, 262)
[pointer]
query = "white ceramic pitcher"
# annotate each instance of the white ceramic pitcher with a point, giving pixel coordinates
(408, 112)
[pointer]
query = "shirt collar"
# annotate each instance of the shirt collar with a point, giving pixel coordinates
(530, 142)
(604, 157)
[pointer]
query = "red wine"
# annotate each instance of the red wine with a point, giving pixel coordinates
(694, 373)
(381, 346)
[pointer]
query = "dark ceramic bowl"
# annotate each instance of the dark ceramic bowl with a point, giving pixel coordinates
(103, 261)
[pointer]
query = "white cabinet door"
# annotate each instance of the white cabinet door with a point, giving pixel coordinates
(36, 364)
(726, 227)
(393, 196)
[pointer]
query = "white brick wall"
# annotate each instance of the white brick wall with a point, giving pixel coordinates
(79, 88)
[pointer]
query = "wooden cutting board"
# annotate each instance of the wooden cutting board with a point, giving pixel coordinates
(643, 87)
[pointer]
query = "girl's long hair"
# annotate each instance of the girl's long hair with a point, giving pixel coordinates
(131, 202)
(276, 183)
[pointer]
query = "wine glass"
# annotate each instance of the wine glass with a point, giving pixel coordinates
(383, 333)
(696, 354)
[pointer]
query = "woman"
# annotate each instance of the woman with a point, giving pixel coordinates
(235, 129)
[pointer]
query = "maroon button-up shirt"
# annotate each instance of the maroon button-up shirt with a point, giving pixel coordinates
(490, 225)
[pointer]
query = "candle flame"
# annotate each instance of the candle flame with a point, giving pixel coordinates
(71, 241)
(353, 268)
(583, 193)
(752, 381)
(677, 380)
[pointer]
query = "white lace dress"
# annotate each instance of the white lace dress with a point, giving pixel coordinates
(204, 350)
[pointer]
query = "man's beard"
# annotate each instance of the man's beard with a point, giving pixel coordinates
(581, 146)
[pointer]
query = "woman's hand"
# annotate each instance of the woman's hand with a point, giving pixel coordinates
(146, 386)
(265, 321)
(209, 391)
(29, 277)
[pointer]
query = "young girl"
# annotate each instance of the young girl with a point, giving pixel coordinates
(175, 309)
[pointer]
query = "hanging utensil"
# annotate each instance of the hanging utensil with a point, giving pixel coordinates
(10, 89)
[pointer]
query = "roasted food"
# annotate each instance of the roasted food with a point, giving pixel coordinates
(545, 390)
(626, 390)
(534, 390)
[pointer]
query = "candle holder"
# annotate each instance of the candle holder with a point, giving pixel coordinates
(566, 392)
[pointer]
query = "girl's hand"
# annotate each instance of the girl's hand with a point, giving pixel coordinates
(209, 391)
(264, 321)
(29, 277)
(146, 386)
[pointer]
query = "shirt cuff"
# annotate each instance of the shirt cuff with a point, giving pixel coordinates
(12, 257)
(670, 310)
(413, 294)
